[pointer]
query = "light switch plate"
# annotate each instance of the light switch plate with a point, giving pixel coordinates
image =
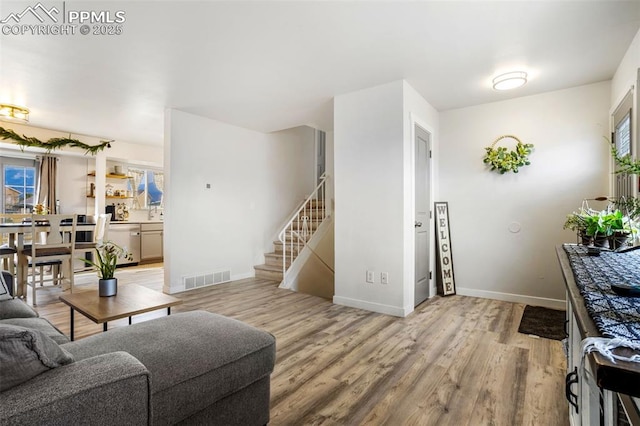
(370, 277)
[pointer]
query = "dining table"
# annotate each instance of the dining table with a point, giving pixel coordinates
(16, 232)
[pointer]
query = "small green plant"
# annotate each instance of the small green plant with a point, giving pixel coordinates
(625, 163)
(503, 160)
(604, 223)
(107, 255)
(575, 222)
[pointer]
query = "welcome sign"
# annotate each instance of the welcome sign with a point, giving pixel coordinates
(446, 283)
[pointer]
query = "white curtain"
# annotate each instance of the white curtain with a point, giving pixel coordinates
(159, 179)
(138, 198)
(47, 182)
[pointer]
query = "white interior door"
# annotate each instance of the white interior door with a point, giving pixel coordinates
(422, 203)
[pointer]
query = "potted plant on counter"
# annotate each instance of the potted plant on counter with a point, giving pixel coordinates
(107, 255)
(577, 222)
(607, 228)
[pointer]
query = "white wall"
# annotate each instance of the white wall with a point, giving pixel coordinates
(290, 172)
(373, 162)
(628, 75)
(72, 186)
(255, 183)
(368, 168)
(570, 162)
(329, 170)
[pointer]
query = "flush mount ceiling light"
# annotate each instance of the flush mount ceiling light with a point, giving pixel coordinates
(14, 112)
(510, 80)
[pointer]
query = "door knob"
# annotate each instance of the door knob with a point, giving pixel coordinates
(418, 224)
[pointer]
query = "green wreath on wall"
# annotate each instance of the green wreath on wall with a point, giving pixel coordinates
(503, 160)
(53, 143)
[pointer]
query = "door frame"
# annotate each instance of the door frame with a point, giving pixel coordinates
(416, 121)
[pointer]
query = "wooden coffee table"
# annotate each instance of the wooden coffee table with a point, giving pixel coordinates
(131, 300)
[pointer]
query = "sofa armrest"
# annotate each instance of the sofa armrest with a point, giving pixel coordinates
(108, 389)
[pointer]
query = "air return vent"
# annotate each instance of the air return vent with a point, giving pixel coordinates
(202, 280)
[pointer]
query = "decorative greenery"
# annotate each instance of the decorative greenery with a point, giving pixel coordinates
(597, 226)
(108, 254)
(625, 163)
(629, 205)
(53, 143)
(504, 160)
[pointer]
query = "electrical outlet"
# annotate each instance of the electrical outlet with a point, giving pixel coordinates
(370, 277)
(384, 277)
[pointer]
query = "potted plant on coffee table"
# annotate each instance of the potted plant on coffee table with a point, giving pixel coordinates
(107, 255)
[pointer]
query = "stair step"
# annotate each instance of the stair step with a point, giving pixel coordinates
(311, 224)
(296, 235)
(268, 272)
(312, 214)
(275, 259)
(313, 203)
(277, 245)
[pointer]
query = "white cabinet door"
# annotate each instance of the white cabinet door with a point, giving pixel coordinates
(585, 391)
(126, 235)
(151, 245)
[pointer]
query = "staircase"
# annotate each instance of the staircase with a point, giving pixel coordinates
(294, 236)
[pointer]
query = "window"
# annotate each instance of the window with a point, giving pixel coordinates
(624, 183)
(622, 135)
(147, 185)
(18, 185)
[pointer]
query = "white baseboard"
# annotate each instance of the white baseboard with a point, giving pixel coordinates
(244, 276)
(172, 290)
(516, 298)
(372, 306)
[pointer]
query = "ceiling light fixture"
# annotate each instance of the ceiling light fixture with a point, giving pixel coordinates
(14, 112)
(510, 80)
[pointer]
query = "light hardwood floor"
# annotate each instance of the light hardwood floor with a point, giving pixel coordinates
(454, 361)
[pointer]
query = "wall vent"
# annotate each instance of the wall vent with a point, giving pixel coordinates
(203, 280)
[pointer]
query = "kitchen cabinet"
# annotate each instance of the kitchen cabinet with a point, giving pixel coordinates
(126, 235)
(151, 245)
(595, 386)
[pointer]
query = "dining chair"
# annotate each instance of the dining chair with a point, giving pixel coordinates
(99, 235)
(9, 250)
(56, 243)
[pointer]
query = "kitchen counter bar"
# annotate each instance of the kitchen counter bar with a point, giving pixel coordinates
(622, 377)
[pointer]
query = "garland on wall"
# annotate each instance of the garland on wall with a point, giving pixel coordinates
(502, 160)
(53, 143)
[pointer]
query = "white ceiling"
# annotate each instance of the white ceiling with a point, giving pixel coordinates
(274, 65)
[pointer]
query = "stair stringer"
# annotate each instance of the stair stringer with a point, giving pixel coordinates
(290, 280)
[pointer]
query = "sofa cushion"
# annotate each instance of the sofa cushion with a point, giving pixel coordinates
(16, 308)
(6, 286)
(39, 324)
(195, 358)
(25, 353)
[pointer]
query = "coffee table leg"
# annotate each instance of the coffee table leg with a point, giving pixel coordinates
(71, 324)
(129, 320)
(104, 327)
(169, 310)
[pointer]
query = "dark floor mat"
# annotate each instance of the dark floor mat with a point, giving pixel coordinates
(543, 322)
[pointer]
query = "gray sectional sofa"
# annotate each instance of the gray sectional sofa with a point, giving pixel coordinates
(187, 368)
